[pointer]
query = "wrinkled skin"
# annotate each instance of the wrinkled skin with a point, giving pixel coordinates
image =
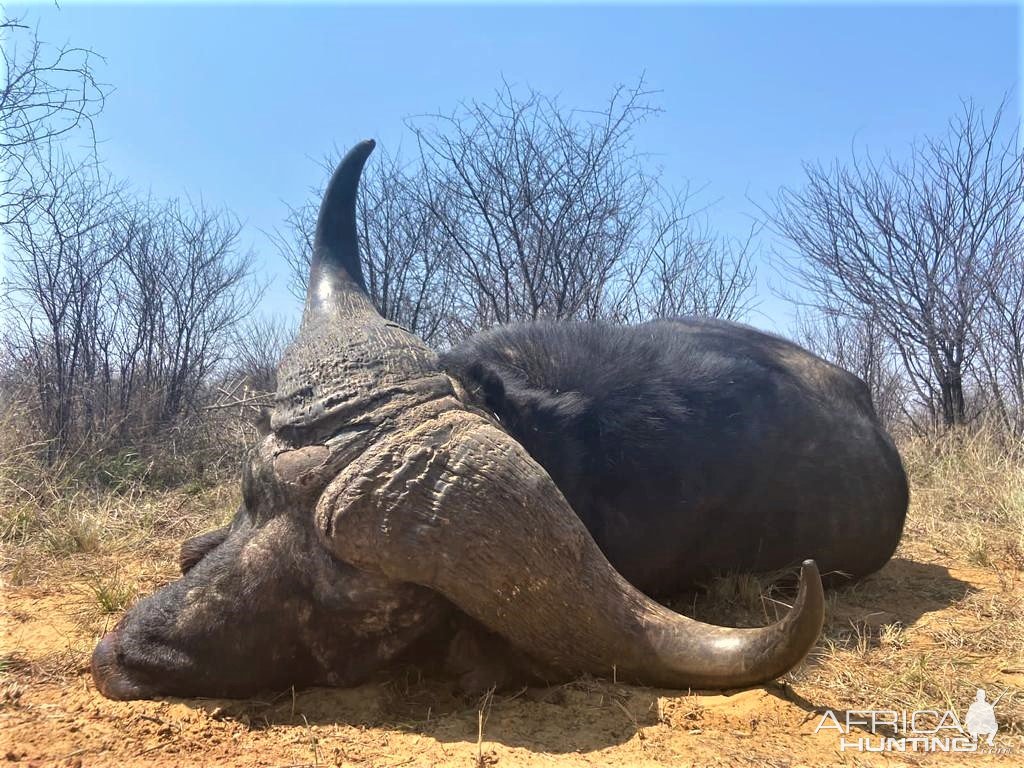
(386, 516)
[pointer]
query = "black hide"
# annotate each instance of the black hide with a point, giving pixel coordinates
(694, 447)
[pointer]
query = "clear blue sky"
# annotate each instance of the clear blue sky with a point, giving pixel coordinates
(234, 103)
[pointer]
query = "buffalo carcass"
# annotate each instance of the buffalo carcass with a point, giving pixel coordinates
(692, 447)
(383, 503)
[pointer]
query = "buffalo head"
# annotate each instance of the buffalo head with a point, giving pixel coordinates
(381, 503)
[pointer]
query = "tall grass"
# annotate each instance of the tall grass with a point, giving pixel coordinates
(968, 494)
(101, 499)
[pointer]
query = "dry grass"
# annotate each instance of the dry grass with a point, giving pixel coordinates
(112, 594)
(968, 491)
(96, 503)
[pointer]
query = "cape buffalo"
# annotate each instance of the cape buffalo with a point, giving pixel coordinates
(390, 499)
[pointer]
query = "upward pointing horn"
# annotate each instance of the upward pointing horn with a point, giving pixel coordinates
(335, 273)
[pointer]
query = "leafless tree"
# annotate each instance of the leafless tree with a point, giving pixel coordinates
(912, 246)
(57, 271)
(541, 206)
(205, 282)
(47, 93)
(407, 264)
(293, 241)
(256, 349)
(182, 288)
(680, 267)
(999, 333)
(136, 236)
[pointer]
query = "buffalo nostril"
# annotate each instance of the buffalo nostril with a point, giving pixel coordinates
(110, 677)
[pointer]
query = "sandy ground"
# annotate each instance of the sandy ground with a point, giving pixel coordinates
(51, 714)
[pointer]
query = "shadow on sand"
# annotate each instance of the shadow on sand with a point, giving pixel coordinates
(900, 594)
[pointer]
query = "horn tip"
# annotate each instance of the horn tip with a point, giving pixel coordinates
(810, 578)
(351, 164)
(811, 592)
(366, 146)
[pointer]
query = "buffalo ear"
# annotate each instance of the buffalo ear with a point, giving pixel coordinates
(487, 386)
(195, 549)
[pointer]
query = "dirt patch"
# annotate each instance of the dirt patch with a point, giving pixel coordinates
(51, 714)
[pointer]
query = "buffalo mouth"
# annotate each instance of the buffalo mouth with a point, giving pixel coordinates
(112, 679)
